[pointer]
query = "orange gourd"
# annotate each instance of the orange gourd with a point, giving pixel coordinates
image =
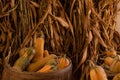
(111, 52)
(116, 77)
(63, 62)
(115, 66)
(97, 72)
(113, 63)
(93, 75)
(108, 60)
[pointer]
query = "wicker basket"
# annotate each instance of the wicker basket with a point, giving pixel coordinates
(10, 74)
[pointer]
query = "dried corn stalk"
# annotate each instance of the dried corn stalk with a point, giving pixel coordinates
(29, 19)
(94, 26)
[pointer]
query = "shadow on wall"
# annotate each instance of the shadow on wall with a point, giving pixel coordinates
(118, 20)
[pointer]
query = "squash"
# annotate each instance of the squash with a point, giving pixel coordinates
(113, 63)
(63, 62)
(39, 48)
(115, 66)
(108, 60)
(93, 75)
(22, 62)
(116, 77)
(39, 64)
(101, 73)
(46, 53)
(97, 72)
(111, 52)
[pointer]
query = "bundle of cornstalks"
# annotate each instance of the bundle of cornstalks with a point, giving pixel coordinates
(25, 20)
(94, 28)
(82, 29)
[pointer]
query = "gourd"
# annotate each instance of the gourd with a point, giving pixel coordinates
(115, 66)
(63, 62)
(116, 77)
(108, 60)
(38, 64)
(39, 48)
(22, 62)
(97, 72)
(111, 52)
(93, 75)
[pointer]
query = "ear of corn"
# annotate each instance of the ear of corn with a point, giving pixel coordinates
(39, 48)
(37, 65)
(22, 51)
(21, 63)
(24, 60)
(46, 68)
(46, 53)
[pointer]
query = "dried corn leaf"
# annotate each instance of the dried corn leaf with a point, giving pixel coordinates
(5, 7)
(61, 21)
(34, 12)
(97, 34)
(35, 4)
(83, 59)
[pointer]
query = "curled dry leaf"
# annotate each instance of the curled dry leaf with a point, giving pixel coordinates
(35, 4)
(61, 21)
(71, 26)
(90, 37)
(84, 57)
(100, 40)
